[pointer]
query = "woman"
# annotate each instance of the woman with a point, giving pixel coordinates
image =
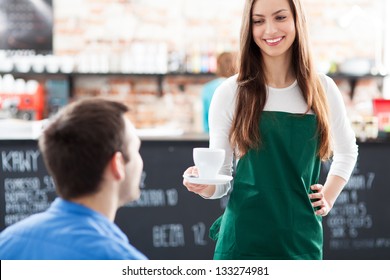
(225, 69)
(280, 119)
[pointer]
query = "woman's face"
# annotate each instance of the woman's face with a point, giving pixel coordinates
(273, 27)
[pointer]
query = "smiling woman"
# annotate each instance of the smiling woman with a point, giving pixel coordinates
(261, 117)
(273, 31)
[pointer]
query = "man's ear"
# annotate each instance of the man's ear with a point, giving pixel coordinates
(117, 166)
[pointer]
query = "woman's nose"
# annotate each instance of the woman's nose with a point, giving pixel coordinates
(270, 28)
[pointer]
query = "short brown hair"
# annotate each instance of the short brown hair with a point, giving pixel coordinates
(80, 141)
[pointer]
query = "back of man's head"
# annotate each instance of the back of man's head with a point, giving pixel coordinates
(80, 141)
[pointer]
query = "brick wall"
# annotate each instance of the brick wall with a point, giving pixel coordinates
(110, 30)
(339, 29)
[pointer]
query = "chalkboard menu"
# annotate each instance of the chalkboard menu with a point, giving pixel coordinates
(168, 222)
(358, 227)
(26, 25)
(25, 186)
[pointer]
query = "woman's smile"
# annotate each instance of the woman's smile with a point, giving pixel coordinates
(274, 41)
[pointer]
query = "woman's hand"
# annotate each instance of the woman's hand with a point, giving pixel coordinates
(318, 200)
(202, 190)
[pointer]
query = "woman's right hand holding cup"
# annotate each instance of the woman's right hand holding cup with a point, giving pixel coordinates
(200, 189)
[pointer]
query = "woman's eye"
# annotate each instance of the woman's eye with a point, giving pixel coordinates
(257, 22)
(281, 17)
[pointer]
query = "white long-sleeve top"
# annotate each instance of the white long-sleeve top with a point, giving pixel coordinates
(289, 100)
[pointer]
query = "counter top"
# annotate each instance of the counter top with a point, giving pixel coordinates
(170, 134)
(182, 137)
(12, 129)
(15, 129)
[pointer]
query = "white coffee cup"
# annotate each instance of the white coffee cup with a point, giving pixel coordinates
(208, 161)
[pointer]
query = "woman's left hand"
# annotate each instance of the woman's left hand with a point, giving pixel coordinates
(319, 200)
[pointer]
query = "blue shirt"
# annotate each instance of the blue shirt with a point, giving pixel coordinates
(66, 231)
(207, 95)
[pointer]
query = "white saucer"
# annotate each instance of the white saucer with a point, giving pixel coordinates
(220, 179)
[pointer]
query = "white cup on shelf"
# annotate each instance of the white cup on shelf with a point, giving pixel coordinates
(38, 65)
(52, 63)
(208, 161)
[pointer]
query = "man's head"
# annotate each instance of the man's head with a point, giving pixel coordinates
(88, 143)
(226, 64)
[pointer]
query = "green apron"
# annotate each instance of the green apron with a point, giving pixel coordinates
(269, 214)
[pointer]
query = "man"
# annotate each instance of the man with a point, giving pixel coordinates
(92, 152)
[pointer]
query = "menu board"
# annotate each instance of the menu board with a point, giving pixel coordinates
(168, 222)
(26, 25)
(358, 227)
(25, 186)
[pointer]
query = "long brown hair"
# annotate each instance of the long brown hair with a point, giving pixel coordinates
(252, 92)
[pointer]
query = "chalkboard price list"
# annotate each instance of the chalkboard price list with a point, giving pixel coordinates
(351, 220)
(26, 189)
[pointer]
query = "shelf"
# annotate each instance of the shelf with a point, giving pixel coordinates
(353, 77)
(71, 76)
(160, 76)
(169, 74)
(77, 74)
